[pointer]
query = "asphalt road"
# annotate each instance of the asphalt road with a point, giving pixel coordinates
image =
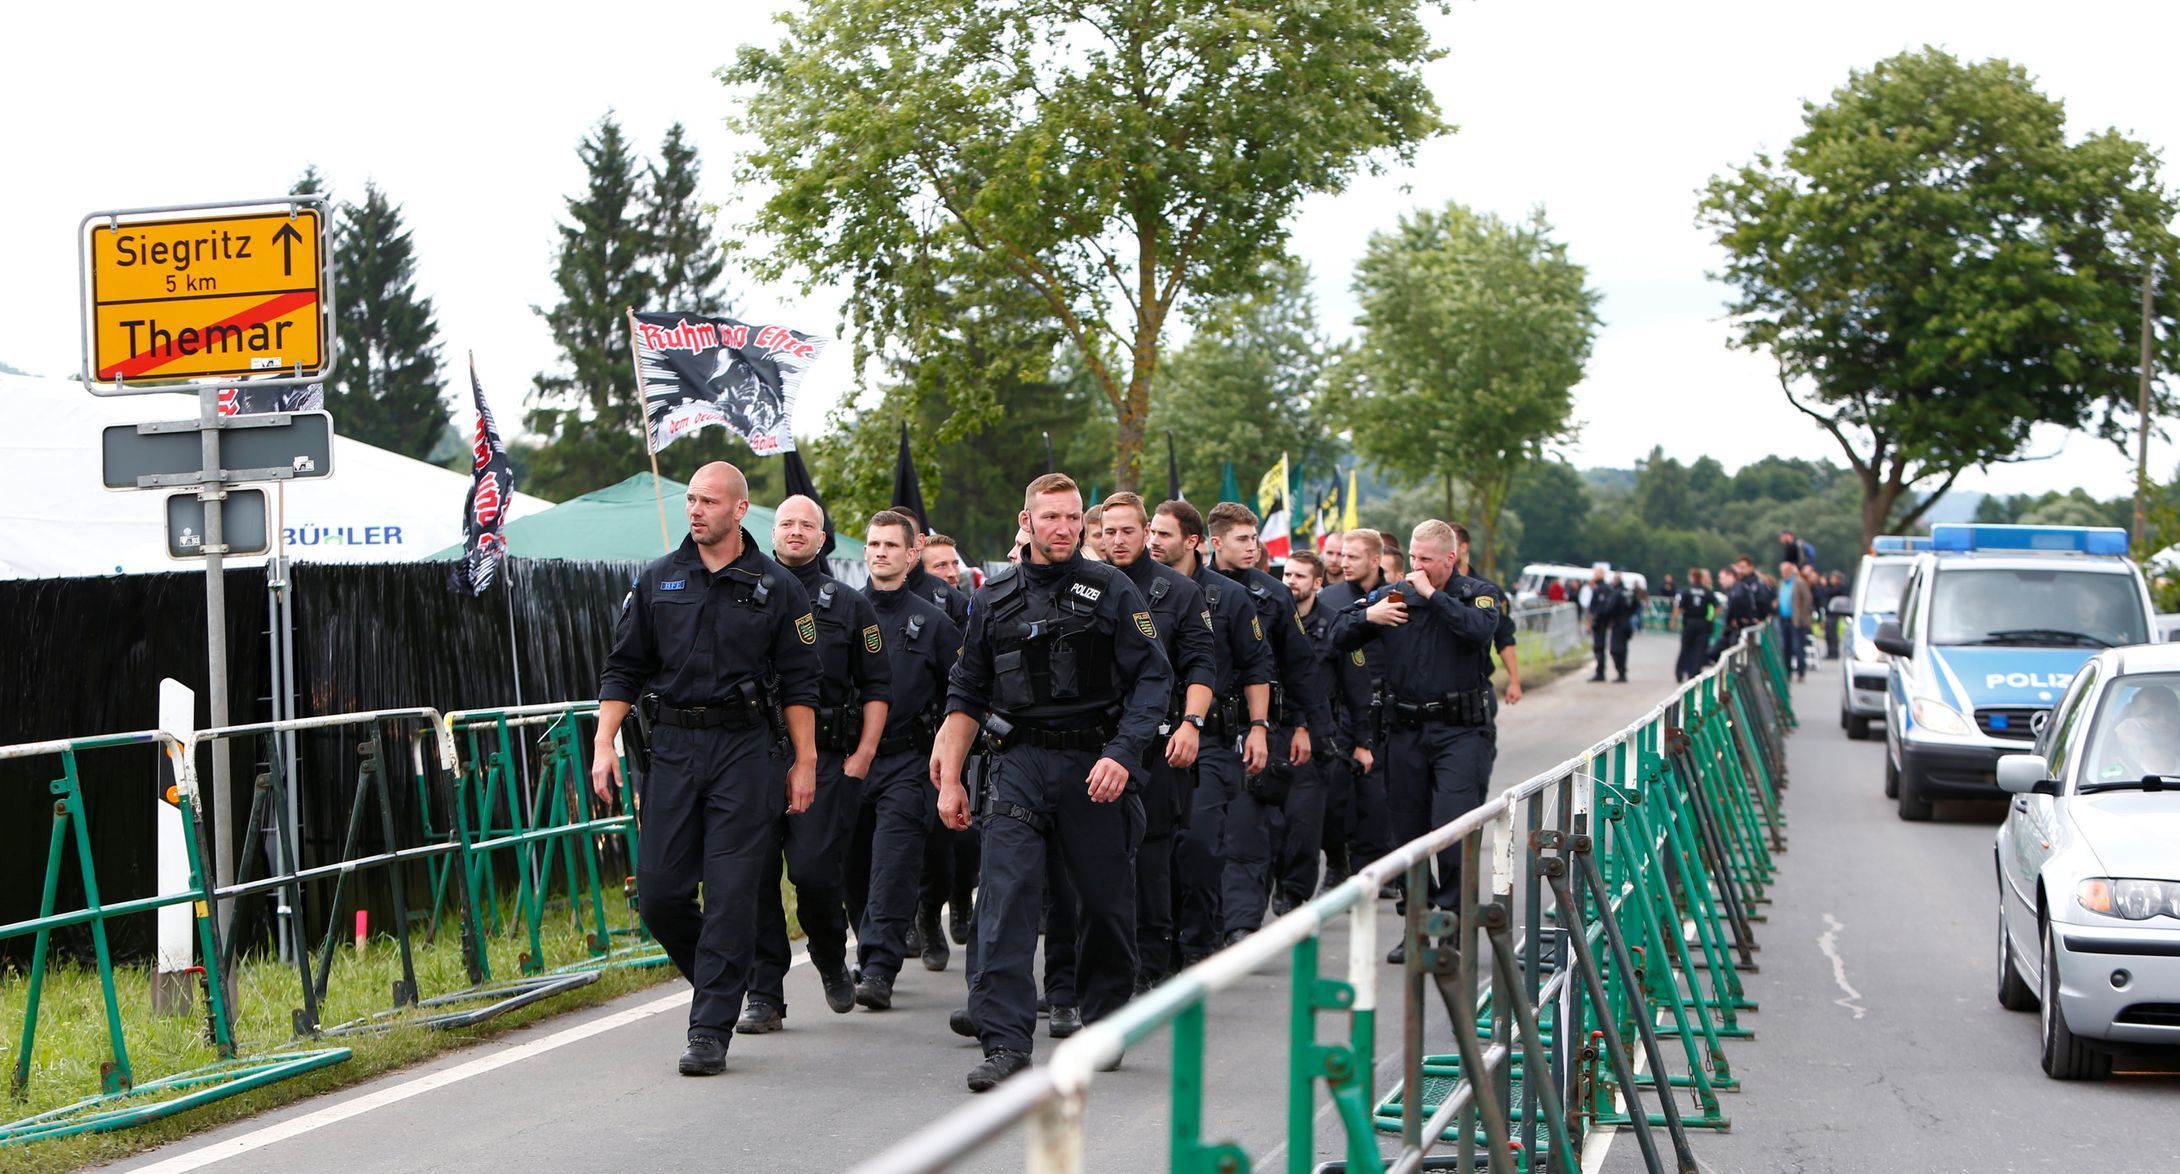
(1880, 1042)
(1880, 1045)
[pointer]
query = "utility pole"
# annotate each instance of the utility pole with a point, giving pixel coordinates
(2142, 426)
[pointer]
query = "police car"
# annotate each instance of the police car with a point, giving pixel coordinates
(1879, 580)
(1994, 622)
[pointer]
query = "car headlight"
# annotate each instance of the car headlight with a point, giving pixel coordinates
(2129, 898)
(1940, 719)
(1866, 651)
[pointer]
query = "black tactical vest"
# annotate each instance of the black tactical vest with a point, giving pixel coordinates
(1049, 649)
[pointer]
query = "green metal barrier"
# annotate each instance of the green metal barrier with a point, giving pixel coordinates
(543, 818)
(121, 1100)
(1618, 919)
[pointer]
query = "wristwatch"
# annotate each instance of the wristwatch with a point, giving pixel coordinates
(1261, 723)
(1194, 719)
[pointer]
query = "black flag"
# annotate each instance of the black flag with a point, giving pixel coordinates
(798, 481)
(491, 491)
(907, 493)
(1173, 470)
(698, 371)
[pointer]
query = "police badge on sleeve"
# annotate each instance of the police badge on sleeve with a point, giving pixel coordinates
(1144, 625)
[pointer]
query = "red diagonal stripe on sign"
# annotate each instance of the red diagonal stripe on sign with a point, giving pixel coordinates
(265, 311)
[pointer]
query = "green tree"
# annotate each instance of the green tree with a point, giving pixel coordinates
(1936, 269)
(1475, 331)
(1110, 158)
(1554, 507)
(686, 258)
(587, 413)
(1244, 389)
(1663, 496)
(385, 386)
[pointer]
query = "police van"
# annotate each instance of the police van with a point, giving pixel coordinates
(1994, 621)
(1880, 578)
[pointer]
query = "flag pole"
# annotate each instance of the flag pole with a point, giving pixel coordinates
(643, 421)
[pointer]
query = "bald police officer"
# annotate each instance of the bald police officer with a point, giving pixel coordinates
(1062, 669)
(713, 640)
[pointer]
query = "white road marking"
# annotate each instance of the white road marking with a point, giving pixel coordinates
(258, 1139)
(1828, 941)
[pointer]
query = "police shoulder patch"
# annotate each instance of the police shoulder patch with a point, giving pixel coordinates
(1144, 625)
(1484, 601)
(806, 628)
(1298, 624)
(1357, 657)
(872, 640)
(1256, 629)
(1206, 613)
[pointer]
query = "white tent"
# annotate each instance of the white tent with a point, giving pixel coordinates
(58, 519)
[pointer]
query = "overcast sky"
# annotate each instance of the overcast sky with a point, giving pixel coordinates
(1610, 115)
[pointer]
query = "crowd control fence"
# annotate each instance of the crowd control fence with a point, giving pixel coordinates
(1589, 979)
(496, 830)
(1556, 628)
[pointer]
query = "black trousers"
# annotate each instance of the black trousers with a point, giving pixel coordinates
(1200, 849)
(1613, 638)
(898, 810)
(709, 815)
(814, 847)
(949, 867)
(1163, 792)
(1436, 775)
(1695, 647)
(1245, 885)
(1298, 827)
(1096, 845)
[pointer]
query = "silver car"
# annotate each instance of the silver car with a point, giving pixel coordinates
(2089, 865)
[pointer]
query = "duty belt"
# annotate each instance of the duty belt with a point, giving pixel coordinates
(1470, 708)
(733, 712)
(839, 727)
(1080, 738)
(901, 744)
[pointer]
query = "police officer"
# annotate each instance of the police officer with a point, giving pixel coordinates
(1297, 707)
(1061, 666)
(1695, 607)
(1228, 751)
(1606, 602)
(718, 643)
(949, 872)
(1345, 682)
(899, 808)
(1183, 620)
(1368, 819)
(1503, 640)
(1434, 641)
(853, 693)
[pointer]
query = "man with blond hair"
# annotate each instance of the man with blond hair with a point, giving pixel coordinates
(1062, 672)
(1433, 632)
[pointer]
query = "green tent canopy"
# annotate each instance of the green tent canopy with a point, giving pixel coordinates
(621, 523)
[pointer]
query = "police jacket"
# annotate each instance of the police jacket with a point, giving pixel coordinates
(921, 644)
(1443, 648)
(1696, 608)
(1502, 637)
(694, 636)
(1237, 635)
(1183, 621)
(850, 645)
(1346, 675)
(1291, 649)
(951, 599)
(1744, 604)
(1338, 598)
(1064, 646)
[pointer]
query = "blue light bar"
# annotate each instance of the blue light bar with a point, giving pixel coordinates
(1960, 538)
(1899, 543)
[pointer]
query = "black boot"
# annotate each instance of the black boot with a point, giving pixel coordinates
(704, 1056)
(935, 951)
(998, 1065)
(760, 1018)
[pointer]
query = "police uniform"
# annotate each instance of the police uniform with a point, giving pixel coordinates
(1608, 604)
(898, 808)
(949, 862)
(1183, 619)
(851, 649)
(1696, 606)
(709, 656)
(1243, 657)
(1067, 656)
(1746, 605)
(1442, 739)
(1297, 703)
(1344, 680)
(1358, 821)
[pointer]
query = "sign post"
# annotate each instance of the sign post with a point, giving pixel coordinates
(185, 298)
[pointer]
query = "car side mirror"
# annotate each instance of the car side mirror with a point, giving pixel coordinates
(2026, 774)
(1840, 605)
(1890, 642)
